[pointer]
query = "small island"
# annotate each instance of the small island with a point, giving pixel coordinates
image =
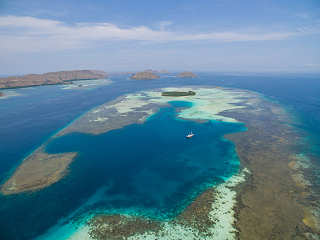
(51, 78)
(187, 75)
(178, 94)
(145, 75)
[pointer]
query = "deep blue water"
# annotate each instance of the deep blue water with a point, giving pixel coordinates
(28, 120)
(152, 167)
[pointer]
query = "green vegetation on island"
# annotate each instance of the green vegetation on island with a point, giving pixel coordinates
(178, 94)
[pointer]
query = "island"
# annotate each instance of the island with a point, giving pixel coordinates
(178, 94)
(50, 78)
(187, 75)
(162, 71)
(145, 75)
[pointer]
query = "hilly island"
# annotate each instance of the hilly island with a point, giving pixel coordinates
(187, 75)
(50, 78)
(145, 75)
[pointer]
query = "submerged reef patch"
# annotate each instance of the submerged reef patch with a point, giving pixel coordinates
(38, 170)
(270, 198)
(216, 207)
(207, 104)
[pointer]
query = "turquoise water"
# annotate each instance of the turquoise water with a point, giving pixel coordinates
(91, 185)
(151, 169)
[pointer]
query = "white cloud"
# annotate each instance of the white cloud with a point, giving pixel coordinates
(20, 34)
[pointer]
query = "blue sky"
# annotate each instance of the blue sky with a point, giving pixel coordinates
(203, 35)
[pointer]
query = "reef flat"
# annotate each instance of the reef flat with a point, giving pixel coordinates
(270, 197)
(275, 202)
(208, 103)
(37, 171)
(42, 169)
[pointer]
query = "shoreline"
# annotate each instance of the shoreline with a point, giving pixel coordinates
(67, 82)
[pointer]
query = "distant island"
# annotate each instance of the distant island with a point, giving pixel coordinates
(178, 94)
(145, 75)
(187, 75)
(163, 71)
(51, 78)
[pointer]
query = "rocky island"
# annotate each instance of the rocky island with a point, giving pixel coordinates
(178, 94)
(145, 75)
(50, 78)
(187, 75)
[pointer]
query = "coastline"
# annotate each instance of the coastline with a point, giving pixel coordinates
(69, 82)
(50, 78)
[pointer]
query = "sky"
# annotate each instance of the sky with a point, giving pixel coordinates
(126, 35)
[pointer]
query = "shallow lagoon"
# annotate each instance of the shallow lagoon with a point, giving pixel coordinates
(27, 215)
(151, 169)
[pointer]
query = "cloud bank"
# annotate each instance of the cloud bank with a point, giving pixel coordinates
(30, 34)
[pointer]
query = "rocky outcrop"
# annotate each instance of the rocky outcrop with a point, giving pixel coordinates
(187, 75)
(144, 75)
(50, 78)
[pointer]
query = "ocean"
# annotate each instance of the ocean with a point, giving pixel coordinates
(116, 181)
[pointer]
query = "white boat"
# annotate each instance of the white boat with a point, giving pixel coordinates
(190, 135)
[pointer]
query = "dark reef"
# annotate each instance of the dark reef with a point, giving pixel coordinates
(178, 94)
